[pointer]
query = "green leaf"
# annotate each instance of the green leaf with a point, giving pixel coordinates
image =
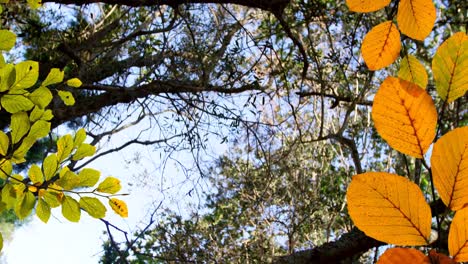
(6, 168)
(80, 137)
(4, 143)
(93, 207)
(27, 73)
(109, 185)
(39, 130)
(55, 76)
(50, 166)
(50, 197)
(7, 40)
(17, 102)
(71, 209)
(66, 97)
(64, 147)
(43, 210)
(7, 76)
(41, 97)
(69, 181)
(75, 82)
(24, 205)
(35, 174)
(88, 177)
(85, 150)
(19, 126)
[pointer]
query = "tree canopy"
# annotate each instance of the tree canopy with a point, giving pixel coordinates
(343, 120)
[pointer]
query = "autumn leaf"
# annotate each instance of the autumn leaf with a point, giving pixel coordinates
(381, 46)
(119, 207)
(413, 71)
(402, 255)
(365, 6)
(450, 67)
(109, 185)
(416, 18)
(458, 236)
(389, 208)
(450, 168)
(405, 116)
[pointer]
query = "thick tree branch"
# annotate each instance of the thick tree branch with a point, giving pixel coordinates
(269, 5)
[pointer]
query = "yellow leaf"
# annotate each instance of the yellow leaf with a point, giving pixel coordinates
(71, 209)
(413, 71)
(50, 166)
(34, 4)
(402, 255)
(41, 97)
(24, 204)
(389, 208)
(364, 6)
(84, 150)
(80, 137)
(4, 143)
(51, 198)
(6, 168)
(450, 67)
(75, 82)
(449, 163)
(88, 177)
(19, 126)
(109, 185)
(27, 73)
(39, 130)
(66, 97)
(119, 207)
(64, 147)
(93, 207)
(43, 210)
(458, 236)
(69, 181)
(405, 116)
(35, 174)
(55, 76)
(416, 18)
(7, 40)
(381, 46)
(16, 101)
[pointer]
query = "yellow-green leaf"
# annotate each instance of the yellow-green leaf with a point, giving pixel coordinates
(8, 196)
(84, 150)
(16, 101)
(34, 4)
(64, 147)
(88, 177)
(7, 40)
(50, 166)
(93, 207)
(47, 116)
(24, 205)
(413, 71)
(74, 82)
(43, 210)
(458, 236)
(41, 97)
(389, 208)
(39, 130)
(4, 143)
(50, 198)
(27, 73)
(119, 207)
(6, 168)
(405, 116)
(55, 76)
(381, 46)
(19, 126)
(7, 77)
(80, 137)
(416, 18)
(35, 174)
(402, 255)
(365, 6)
(71, 209)
(109, 185)
(449, 164)
(450, 67)
(66, 97)
(69, 181)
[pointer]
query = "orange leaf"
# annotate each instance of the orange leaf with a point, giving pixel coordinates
(381, 46)
(405, 116)
(458, 236)
(439, 258)
(389, 208)
(413, 71)
(450, 67)
(416, 18)
(449, 163)
(364, 6)
(402, 255)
